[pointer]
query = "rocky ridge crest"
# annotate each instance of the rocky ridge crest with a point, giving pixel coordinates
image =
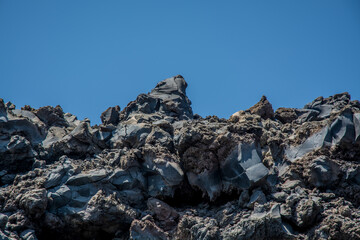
(155, 170)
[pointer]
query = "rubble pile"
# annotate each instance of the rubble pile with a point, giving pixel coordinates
(156, 170)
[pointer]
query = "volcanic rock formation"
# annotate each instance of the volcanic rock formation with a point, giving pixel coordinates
(156, 171)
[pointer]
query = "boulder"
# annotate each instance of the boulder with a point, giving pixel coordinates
(82, 132)
(16, 154)
(123, 180)
(171, 172)
(57, 175)
(52, 116)
(89, 177)
(166, 215)
(317, 140)
(110, 116)
(326, 106)
(306, 212)
(243, 167)
(34, 202)
(54, 134)
(257, 197)
(286, 115)
(167, 98)
(133, 135)
(260, 225)
(342, 130)
(263, 108)
(172, 92)
(323, 172)
(34, 133)
(306, 115)
(59, 197)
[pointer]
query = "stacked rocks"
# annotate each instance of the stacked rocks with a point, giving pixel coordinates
(156, 171)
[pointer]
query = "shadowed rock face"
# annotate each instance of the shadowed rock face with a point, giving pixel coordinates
(154, 171)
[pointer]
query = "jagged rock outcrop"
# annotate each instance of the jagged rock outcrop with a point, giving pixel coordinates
(156, 171)
(167, 100)
(263, 108)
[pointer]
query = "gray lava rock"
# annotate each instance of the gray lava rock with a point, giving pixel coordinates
(317, 140)
(16, 154)
(163, 213)
(149, 171)
(264, 225)
(3, 220)
(52, 116)
(110, 116)
(257, 197)
(172, 92)
(58, 175)
(356, 119)
(34, 202)
(170, 171)
(286, 115)
(163, 176)
(28, 234)
(168, 98)
(60, 197)
(82, 132)
(134, 135)
(342, 129)
(243, 167)
(353, 175)
(323, 172)
(327, 105)
(244, 198)
(208, 181)
(89, 177)
(279, 196)
(3, 113)
(124, 180)
(306, 213)
(198, 228)
(306, 115)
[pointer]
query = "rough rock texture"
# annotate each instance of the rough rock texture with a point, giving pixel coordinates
(263, 108)
(157, 171)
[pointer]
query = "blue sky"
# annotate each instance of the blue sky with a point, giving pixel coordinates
(88, 55)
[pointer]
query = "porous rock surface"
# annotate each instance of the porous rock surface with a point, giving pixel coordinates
(155, 170)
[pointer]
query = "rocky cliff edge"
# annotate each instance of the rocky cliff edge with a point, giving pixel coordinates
(155, 170)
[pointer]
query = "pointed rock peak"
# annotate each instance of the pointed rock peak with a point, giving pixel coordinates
(173, 85)
(263, 108)
(168, 98)
(263, 98)
(110, 116)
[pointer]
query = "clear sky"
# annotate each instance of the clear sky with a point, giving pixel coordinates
(88, 55)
